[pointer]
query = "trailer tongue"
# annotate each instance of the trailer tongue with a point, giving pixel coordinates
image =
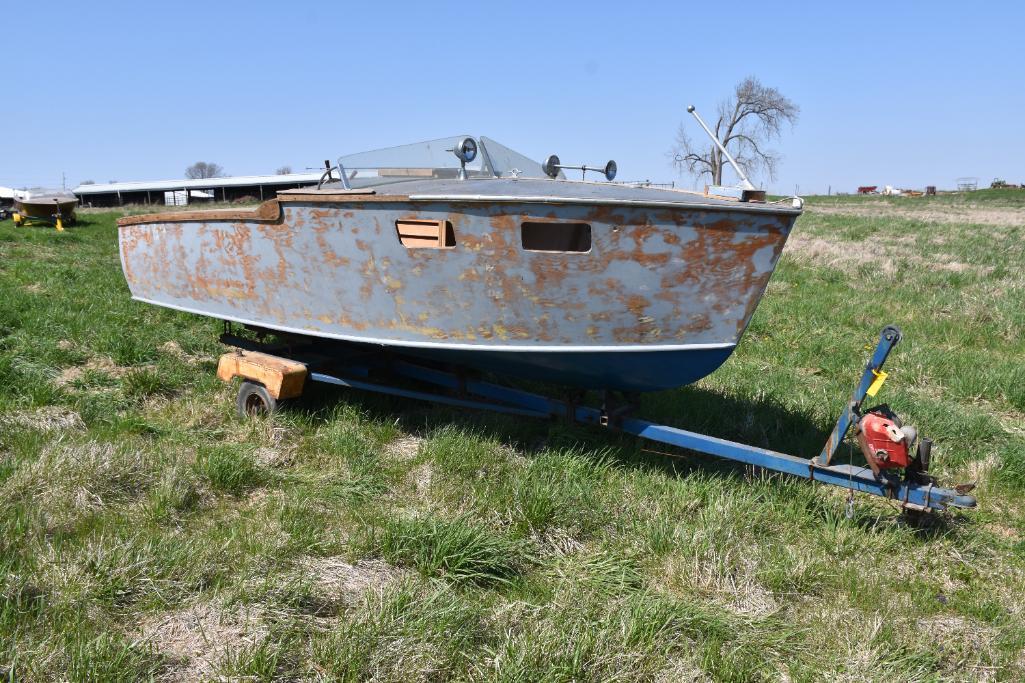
(885, 442)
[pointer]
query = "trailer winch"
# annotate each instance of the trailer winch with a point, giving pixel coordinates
(884, 441)
(272, 373)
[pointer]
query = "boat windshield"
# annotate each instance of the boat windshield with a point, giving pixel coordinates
(43, 192)
(435, 159)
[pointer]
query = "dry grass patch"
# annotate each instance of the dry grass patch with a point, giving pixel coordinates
(337, 579)
(998, 216)
(202, 413)
(728, 583)
(70, 480)
(405, 447)
(855, 652)
(405, 450)
(173, 349)
(556, 541)
(964, 639)
(887, 257)
(45, 419)
(682, 670)
(420, 478)
(198, 639)
(281, 445)
(843, 255)
(982, 468)
(1011, 421)
(75, 373)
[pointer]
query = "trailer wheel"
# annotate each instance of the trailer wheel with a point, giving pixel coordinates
(254, 399)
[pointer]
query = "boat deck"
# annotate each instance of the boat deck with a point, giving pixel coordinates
(491, 190)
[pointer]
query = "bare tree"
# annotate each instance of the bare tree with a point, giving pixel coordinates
(284, 170)
(752, 116)
(204, 169)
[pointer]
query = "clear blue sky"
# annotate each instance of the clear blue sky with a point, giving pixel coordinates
(902, 95)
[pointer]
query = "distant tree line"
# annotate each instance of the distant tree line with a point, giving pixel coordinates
(208, 169)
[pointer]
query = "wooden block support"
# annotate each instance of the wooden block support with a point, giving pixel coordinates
(283, 378)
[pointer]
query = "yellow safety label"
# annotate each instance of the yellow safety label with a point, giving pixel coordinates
(877, 383)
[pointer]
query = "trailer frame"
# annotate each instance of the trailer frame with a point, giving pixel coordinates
(279, 372)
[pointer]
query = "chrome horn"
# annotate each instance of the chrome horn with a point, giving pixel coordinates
(552, 166)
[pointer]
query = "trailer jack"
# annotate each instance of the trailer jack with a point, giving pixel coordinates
(276, 373)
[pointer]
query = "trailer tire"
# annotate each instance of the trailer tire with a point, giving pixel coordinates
(254, 400)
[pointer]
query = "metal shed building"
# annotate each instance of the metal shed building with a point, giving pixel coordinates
(229, 189)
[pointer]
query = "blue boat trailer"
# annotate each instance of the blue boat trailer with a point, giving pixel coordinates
(384, 371)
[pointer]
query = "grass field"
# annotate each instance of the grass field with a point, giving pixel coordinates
(146, 532)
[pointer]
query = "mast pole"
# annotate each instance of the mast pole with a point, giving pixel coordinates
(744, 182)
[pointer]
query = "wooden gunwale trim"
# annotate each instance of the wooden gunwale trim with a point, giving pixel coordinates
(268, 212)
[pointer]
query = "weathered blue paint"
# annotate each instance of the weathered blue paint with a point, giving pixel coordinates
(661, 299)
(649, 370)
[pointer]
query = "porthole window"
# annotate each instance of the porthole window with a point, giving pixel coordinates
(556, 237)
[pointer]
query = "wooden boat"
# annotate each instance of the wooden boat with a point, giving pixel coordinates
(46, 206)
(481, 259)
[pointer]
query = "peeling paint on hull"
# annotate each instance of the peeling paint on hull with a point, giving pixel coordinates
(660, 300)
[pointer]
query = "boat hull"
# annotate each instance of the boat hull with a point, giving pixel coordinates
(647, 370)
(46, 208)
(660, 299)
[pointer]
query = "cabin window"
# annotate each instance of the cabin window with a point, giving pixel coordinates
(560, 237)
(419, 234)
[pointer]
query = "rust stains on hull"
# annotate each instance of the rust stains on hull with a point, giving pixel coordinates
(337, 268)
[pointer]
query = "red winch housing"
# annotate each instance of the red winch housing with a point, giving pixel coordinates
(885, 442)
